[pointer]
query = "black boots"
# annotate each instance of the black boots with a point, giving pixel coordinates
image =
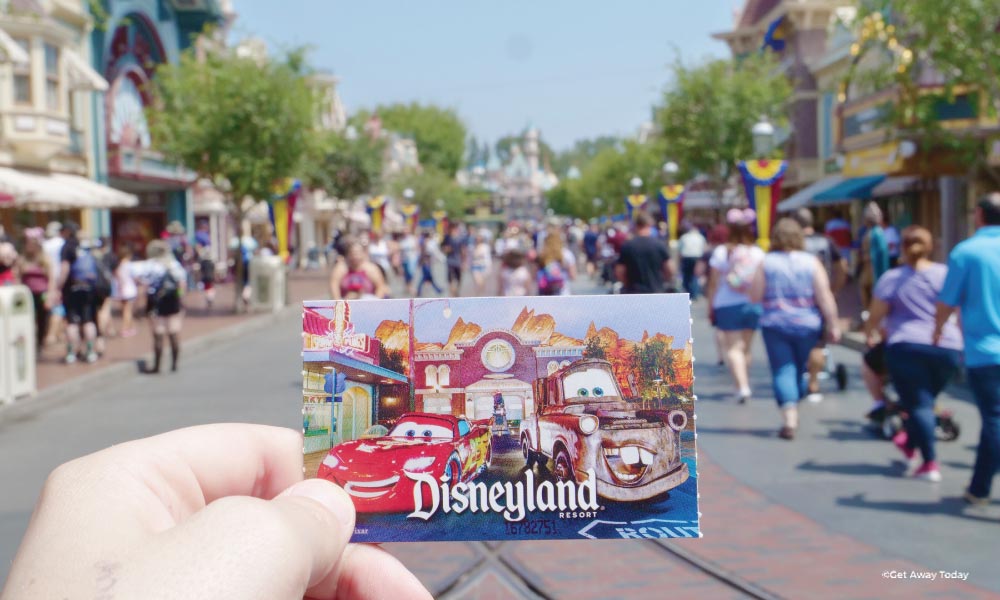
(175, 350)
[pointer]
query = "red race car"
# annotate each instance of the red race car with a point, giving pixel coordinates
(371, 470)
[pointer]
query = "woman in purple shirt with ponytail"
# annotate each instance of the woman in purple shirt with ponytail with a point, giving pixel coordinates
(904, 302)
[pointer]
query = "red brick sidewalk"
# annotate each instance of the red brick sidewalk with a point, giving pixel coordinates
(198, 322)
(757, 542)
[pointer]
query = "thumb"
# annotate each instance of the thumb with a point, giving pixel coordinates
(242, 547)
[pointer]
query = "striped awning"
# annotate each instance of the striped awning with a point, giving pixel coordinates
(53, 191)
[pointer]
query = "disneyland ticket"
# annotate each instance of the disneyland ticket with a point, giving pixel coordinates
(504, 418)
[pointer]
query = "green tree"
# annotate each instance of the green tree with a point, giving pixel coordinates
(345, 168)
(903, 44)
(439, 133)
(607, 177)
(595, 349)
(653, 361)
(241, 124)
(708, 110)
(430, 185)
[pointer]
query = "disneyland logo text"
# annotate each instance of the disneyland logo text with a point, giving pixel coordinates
(514, 500)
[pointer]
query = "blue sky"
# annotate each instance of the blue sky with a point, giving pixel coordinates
(574, 69)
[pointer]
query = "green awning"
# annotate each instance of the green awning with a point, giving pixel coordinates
(856, 188)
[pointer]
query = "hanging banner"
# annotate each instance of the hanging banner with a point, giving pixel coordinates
(634, 202)
(281, 207)
(672, 207)
(411, 212)
(440, 221)
(376, 210)
(762, 181)
(777, 33)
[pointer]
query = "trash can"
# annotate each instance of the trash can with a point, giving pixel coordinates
(17, 343)
(267, 283)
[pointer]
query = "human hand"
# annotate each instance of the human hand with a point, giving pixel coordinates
(833, 334)
(205, 512)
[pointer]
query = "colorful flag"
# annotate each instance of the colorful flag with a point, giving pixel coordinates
(672, 207)
(634, 202)
(762, 181)
(411, 213)
(281, 207)
(376, 210)
(440, 220)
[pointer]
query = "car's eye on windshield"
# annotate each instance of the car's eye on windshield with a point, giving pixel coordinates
(582, 392)
(428, 433)
(598, 392)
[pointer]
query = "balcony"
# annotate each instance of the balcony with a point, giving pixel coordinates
(37, 136)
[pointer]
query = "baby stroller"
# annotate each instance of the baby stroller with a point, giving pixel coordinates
(887, 420)
(832, 370)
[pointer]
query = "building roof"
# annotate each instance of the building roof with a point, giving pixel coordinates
(755, 10)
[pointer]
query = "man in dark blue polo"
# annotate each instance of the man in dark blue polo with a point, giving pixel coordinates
(973, 287)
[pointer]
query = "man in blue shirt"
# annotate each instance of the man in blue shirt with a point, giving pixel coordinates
(973, 287)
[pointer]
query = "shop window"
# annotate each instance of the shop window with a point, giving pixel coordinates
(51, 77)
(22, 75)
(444, 376)
(430, 376)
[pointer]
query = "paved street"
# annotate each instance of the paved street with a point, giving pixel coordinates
(823, 516)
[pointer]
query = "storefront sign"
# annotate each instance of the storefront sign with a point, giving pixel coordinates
(885, 159)
(337, 334)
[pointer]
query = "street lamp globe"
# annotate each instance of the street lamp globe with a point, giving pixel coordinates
(670, 168)
(636, 182)
(763, 137)
(408, 194)
(598, 202)
(439, 203)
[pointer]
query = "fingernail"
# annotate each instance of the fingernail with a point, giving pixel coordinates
(324, 492)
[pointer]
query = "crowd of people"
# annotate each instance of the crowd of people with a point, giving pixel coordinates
(910, 305)
(76, 283)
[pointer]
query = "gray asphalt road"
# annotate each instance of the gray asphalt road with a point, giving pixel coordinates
(834, 473)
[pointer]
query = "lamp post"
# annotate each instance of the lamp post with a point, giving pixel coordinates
(762, 179)
(763, 138)
(670, 170)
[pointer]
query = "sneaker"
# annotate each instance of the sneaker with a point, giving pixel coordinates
(814, 397)
(70, 358)
(974, 500)
(786, 433)
(928, 472)
(900, 440)
(92, 357)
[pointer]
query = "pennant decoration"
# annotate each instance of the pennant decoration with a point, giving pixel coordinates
(440, 221)
(672, 207)
(281, 207)
(411, 212)
(376, 210)
(762, 181)
(634, 202)
(777, 31)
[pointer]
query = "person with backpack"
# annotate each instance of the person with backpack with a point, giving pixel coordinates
(165, 281)
(732, 268)
(798, 307)
(556, 265)
(80, 279)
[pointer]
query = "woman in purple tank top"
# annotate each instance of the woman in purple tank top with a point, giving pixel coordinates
(798, 305)
(904, 303)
